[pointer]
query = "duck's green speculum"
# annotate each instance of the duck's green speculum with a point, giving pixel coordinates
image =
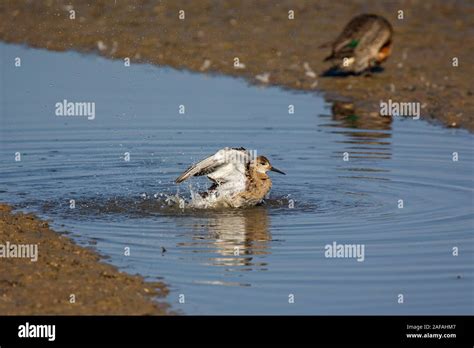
(353, 43)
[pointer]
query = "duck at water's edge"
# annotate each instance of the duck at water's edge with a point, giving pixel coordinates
(238, 179)
(364, 43)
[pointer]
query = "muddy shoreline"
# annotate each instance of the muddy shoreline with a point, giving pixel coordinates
(271, 48)
(45, 286)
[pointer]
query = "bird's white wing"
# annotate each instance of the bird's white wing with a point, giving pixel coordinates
(225, 165)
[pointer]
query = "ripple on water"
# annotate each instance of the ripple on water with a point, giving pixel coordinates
(346, 176)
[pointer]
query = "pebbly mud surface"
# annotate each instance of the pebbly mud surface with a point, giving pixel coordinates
(271, 48)
(44, 286)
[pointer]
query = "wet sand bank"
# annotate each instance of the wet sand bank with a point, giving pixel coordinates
(271, 48)
(45, 286)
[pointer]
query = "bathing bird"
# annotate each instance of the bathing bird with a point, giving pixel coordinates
(365, 42)
(239, 177)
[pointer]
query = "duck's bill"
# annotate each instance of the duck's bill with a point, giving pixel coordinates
(273, 169)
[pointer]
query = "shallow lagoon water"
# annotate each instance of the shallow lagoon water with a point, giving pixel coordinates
(280, 249)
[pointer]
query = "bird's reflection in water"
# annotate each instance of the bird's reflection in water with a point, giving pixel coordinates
(367, 136)
(349, 117)
(236, 235)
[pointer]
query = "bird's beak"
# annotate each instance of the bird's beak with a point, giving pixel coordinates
(273, 169)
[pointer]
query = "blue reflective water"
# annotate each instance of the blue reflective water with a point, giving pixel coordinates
(281, 250)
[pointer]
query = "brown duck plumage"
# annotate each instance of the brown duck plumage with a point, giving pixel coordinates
(364, 42)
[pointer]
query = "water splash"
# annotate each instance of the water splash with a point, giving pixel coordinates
(211, 200)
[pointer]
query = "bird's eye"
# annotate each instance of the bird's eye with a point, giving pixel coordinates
(262, 163)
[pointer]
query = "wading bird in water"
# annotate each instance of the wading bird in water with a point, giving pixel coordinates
(365, 42)
(239, 179)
